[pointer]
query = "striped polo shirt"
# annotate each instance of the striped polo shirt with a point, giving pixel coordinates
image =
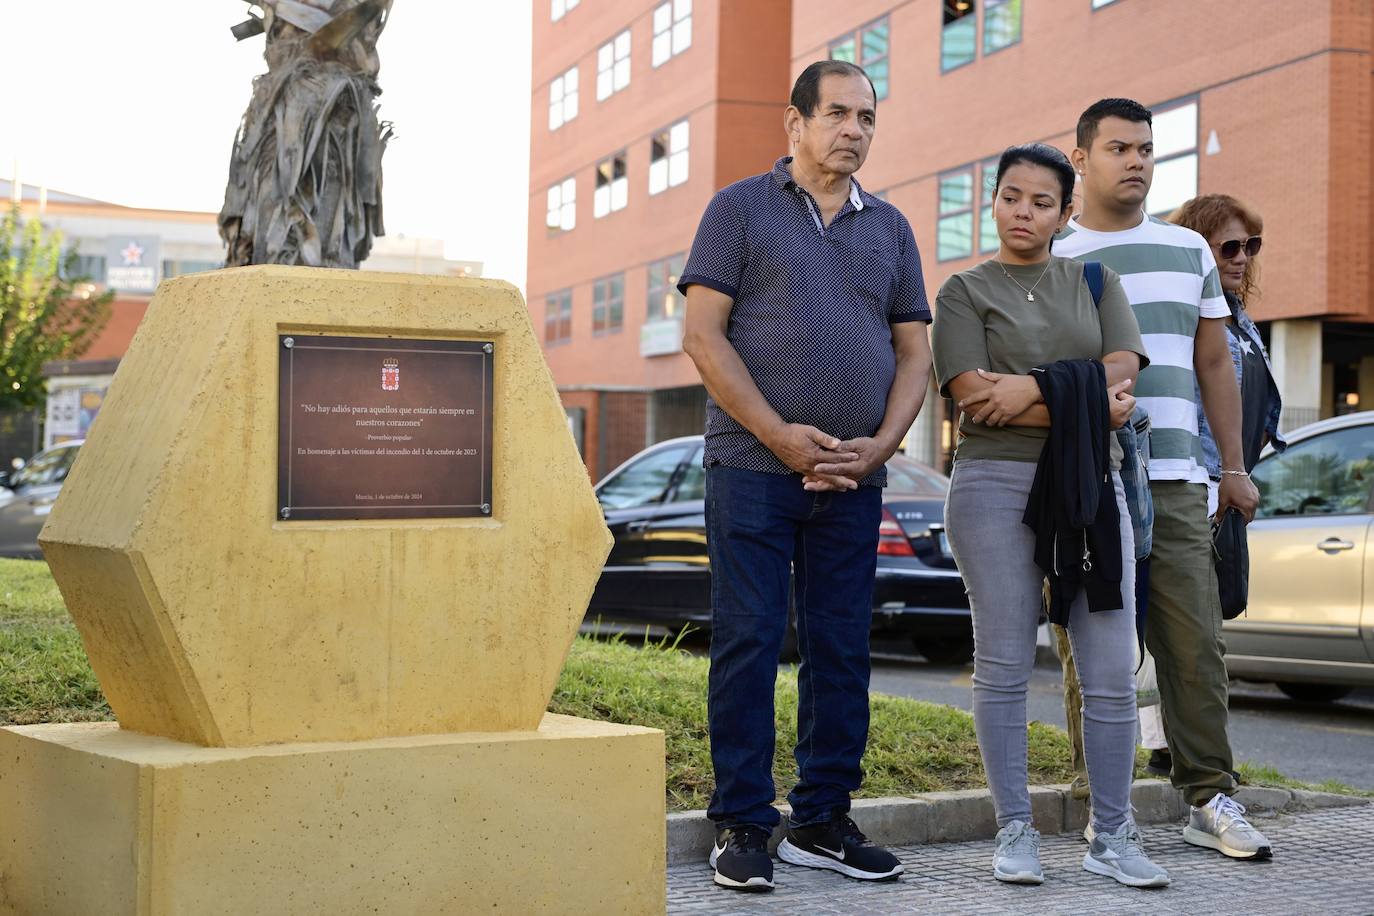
(1171, 280)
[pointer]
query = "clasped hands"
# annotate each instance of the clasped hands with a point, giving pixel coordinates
(824, 461)
(1009, 396)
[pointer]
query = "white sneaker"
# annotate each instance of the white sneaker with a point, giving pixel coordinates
(1017, 859)
(1221, 825)
(1119, 855)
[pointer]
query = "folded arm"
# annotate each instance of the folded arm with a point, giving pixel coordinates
(1000, 399)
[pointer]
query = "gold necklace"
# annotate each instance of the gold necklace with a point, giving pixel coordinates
(1030, 293)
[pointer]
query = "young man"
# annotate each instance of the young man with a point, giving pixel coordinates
(806, 316)
(1171, 279)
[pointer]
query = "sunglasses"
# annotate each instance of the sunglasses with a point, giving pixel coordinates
(1232, 248)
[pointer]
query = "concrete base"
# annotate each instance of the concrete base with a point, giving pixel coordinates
(566, 819)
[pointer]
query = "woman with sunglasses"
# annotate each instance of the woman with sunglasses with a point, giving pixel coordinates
(1232, 230)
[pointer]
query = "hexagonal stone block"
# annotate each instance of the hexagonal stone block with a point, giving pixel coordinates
(208, 619)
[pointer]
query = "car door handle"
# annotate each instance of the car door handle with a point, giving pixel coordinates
(1334, 545)
(636, 526)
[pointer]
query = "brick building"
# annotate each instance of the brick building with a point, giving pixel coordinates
(1264, 99)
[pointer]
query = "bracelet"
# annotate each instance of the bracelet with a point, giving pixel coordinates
(1236, 473)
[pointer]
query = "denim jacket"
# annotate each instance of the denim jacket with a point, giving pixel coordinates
(1211, 456)
(1135, 463)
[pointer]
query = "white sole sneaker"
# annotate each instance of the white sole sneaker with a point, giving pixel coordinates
(759, 883)
(1019, 877)
(794, 856)
(1102, 868)
(1208, 841)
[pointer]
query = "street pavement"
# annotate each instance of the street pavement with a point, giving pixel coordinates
(1308, 741)
(1322, 864)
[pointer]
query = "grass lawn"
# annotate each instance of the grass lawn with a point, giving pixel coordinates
(912, 747)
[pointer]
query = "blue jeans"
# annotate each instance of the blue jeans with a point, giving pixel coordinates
(762, 531)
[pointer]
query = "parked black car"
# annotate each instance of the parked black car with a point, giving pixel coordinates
(27, 496)
(658, 570)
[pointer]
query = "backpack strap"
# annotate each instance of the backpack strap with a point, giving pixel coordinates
(1092, 272)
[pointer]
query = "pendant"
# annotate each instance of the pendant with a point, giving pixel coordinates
(1030, 297)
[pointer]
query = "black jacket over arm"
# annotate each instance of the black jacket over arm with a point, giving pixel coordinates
(1072, 506)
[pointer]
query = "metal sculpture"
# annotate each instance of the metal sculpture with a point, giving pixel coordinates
(305, 178)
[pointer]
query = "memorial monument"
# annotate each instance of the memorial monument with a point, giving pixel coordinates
(327, 549)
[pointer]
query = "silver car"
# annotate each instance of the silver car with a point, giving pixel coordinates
(26, 498)
(1310, 623)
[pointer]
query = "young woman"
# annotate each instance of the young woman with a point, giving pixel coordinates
(994, 323)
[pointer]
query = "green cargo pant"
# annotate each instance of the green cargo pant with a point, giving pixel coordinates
(1183, 633)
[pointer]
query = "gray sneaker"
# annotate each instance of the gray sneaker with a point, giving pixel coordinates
(1017, 859)
(1221, 825)
(1119, 855)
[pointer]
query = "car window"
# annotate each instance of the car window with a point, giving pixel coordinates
(45, 468)
(1328, 474)
(693, 484)
(907, 476)
(642, 482)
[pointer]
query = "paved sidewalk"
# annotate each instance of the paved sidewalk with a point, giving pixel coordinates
(1323, 864)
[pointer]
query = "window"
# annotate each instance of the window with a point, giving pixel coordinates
(959, 37)
(668, 159)
(613, 66)
(558, 317)
(664, 299)
(868, 47)
(692, 486)
(563, 99)
(178, 268)
(562, 213)
(988, 241)
(90, 267)
(560, 8)
(612, 187)
(672, 30)
(643, 482)
(954, 232)
(608, 304)
(46, 468)
(1329, 474)
(1175, 180)
(1001, 24)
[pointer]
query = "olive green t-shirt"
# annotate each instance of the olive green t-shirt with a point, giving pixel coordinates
(984, 321)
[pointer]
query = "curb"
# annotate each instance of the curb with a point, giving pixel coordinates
(953, 817)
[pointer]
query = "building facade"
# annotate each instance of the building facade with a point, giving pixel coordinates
(130, 250)
(1267, 100)
(640, 112)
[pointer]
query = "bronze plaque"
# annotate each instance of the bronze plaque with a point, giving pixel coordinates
(383, 427)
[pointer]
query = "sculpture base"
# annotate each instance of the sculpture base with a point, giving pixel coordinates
(566, 819)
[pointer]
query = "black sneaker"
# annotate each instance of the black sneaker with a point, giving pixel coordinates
(740, 858)
(1161, 763)
(839, 845)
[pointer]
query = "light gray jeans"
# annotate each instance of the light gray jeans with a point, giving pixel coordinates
(995, 553)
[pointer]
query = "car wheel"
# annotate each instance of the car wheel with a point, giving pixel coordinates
(1314, 693)
(945, 650)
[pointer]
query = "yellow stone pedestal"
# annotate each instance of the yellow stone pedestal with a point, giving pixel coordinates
(94, 819)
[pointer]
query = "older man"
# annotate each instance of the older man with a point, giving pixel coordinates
(806, 317)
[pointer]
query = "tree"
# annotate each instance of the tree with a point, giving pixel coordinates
(46, 312)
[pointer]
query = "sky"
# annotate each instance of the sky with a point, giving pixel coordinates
(137, 103)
